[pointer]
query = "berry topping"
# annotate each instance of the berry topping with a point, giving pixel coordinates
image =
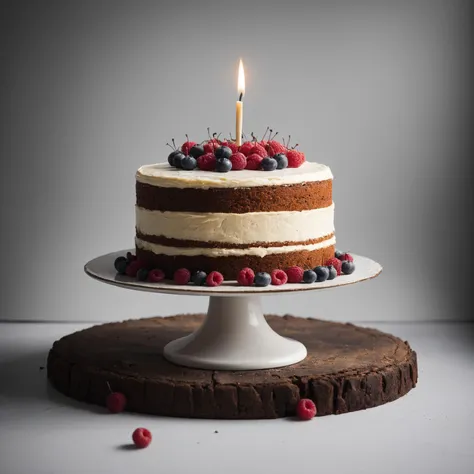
(306, 409)
(199, 278)
(182, 276)
(295, 274)
(115, 402)
(119, 264)
(142, 274)
(172, 156)
(188, 163)
(295, 158)
(232, 145)
(262, 279)
(347, 267)
(186, 146)
(246, 147)
(133, 267)
(268, 164)
(336, 263)
(156, 275)
(141, 437)
(338, 254)
(223, 152)
(346, 256)
(259, 150)
(332, 272)
(238, 160)
(211, 146)
(214, 279)
(309, 276)
(206, 162)
(282, 161)
(178, 159)
(131, 257)
(253, 162)
(279, 277)
(246, 277)
(273, 147)
(322, 273)
(196, 151)
(223, 165)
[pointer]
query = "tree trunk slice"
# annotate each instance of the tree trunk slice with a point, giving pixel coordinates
(348, 368)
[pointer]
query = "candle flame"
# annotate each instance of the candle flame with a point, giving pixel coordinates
(241, 81)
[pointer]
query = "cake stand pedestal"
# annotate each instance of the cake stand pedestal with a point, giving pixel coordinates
(234, 361)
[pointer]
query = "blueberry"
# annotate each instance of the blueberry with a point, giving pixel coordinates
(142, 274)
(347, 267)
(282, 161)
(178, 158)
(199, 278)
(223, 152)
(268, 164)
(188, 163)
(332, 272)
(262, 279)
(309, 276)
(172, 155)
(120, 265)
(223, 165)
(338, 253)
(196, 151)
(322, 273)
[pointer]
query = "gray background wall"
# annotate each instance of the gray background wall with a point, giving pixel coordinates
(377, 90)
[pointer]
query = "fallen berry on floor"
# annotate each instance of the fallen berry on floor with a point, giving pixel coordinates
(141, 437)
(116, 402)
(306, 409)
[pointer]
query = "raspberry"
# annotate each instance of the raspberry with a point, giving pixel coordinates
(156, 275)
(306, 409)
(186, 146)
(141, 437)
(246, 277)
(295, 158)
(211, 145)
(214, 279)
(133, 268)
(206, 162)
(238, 160)
(336, 263)
(246, 147)
(232, 145)
(182, 276)
(273, 147)
(346, 256)
(116, 402)
(259, 150)
(253, 162)
(294, 274)
(279, 277)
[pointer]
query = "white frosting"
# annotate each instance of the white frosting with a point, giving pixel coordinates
(163, 175)
(212, 252)
(248, 228)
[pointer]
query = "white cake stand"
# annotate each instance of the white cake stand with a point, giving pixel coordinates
(235, 334)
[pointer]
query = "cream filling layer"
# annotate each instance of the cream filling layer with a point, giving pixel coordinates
(165, 176)
(247, 228)
(212, 252)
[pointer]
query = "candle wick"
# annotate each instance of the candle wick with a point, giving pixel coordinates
(240, 97)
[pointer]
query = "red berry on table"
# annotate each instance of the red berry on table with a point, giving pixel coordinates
(186, 147)
(295, 274)
(295, 158)
(116, 402)
(141, 437)
(306, 409)
(246, 147)
(238, 160)
(253, 162)
(346, 256)
(273, 147)
(214, 279)
(207, 162)
(133, 268)
(259, 150)
(336, 263)
(246, 277)
(279, 277)
(182, 276)
(156, 275)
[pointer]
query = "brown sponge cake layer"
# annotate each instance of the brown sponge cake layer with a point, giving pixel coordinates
(294, 197)
(231, 265)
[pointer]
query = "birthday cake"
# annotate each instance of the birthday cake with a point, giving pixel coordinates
(219, 207)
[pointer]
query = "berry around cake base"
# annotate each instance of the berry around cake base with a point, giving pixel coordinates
(348, 368)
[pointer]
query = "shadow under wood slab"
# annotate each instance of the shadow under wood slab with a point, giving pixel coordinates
(348, 368)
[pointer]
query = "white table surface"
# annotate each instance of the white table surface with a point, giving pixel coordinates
(430, 430)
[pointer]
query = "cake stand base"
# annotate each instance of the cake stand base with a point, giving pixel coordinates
(235, 336)
(347, 368)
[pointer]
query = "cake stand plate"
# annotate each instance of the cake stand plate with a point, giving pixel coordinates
(235, 334)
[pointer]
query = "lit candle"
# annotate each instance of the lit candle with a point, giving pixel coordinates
(240, 105)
